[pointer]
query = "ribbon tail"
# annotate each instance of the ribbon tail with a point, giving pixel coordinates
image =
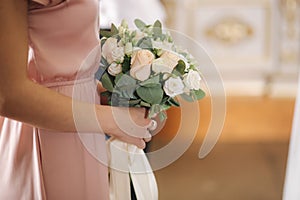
(127, 159)
(142, 176)
(119, 186)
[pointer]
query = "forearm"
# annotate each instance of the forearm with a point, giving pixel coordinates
(44, 108)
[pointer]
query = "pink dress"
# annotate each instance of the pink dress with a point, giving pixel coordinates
(38, 164)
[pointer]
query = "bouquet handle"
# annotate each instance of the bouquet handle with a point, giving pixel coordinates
(125, 161)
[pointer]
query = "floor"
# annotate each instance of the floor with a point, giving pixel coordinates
(248, 162)
(230, 172)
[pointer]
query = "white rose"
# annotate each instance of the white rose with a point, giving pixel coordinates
(166, 63)
(192, 80)
(140, 67)
(114, 69)
(108, 47)
(174, 86)
(117, 54)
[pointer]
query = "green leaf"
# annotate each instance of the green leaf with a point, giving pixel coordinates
(126, 64)
(118, 77)
(157, 29)
(114, 30)
(140, 24)
(199, 94)
(152, 82)
(162, 116)
(145, 43)
(125, 80)
(144, 104)
(135, 102)
(105, 33)
(180, 67)
(103, 62)
(165, 106)
(188, 98)
(155, 109)
(126, 86)
(151, 95)
(157, 24)
(103, 40)
(107, 82)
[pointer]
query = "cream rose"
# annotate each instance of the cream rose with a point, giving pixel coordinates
(141, 61)
(192, 80)
(114, 69)
(174, 86)
(166, 63)
(108, 47)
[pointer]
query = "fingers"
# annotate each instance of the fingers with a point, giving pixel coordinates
(139, 142)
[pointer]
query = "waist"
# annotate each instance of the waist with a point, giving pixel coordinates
(61, 83)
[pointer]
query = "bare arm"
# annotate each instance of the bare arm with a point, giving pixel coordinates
(23, 100)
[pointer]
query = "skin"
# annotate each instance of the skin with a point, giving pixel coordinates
(23, 100)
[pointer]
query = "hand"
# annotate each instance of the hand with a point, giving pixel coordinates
(126, 124)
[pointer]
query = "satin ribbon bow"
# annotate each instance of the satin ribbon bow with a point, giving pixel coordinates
(127, 161)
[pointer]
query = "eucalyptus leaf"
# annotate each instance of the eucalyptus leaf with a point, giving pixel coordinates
(103, 62)
(188, 98)
(105, 33)
(145, 43)
(125, 80)
(126, 86)
(114, 30)
(165, 106)
(162, 116)
(154, 110)
(180, 67)
(144, 104)
(151, 95)
(118, 77)
(157, 29)
(134, 102)
(199, 94)
(140, 24)
(107, 82)
(152, 82)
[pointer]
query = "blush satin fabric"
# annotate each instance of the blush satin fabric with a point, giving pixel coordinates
(38, 164)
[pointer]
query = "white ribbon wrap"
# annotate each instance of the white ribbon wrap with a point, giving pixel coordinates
(125, 161)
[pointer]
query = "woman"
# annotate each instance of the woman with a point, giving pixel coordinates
(41, 155)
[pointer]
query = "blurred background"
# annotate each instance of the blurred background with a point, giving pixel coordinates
(255, 45)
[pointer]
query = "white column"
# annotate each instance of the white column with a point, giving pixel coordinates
(292, 179)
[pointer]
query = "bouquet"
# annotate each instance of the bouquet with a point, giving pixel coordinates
(145, 68)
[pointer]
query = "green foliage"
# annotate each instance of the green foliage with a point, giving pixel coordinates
(180, 67)
(151, 95)
(145, 43)
(140, 24)
(126, 64)
(107, 82)
(124, 90)
(152, 82)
